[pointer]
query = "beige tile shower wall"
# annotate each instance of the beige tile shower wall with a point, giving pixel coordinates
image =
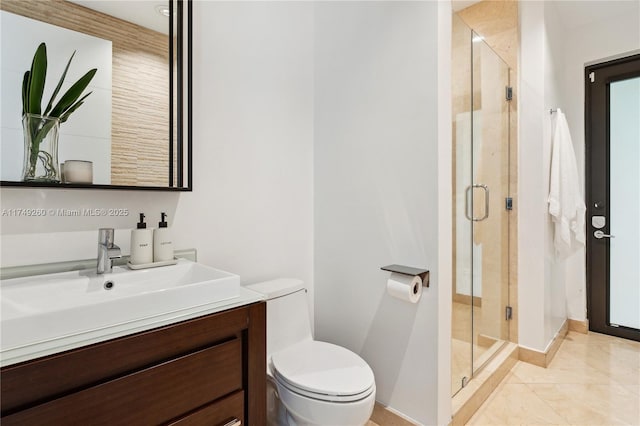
(140, 105)
(497, 22)
(491, 152)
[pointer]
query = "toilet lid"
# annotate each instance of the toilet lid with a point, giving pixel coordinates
(323, 368)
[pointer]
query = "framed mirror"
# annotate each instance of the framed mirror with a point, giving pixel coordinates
(133, 128)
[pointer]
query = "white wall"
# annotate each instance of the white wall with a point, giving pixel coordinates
(557, 40)
(532, 268)
(542, 275)
(376, 190)
(555, 310)
(251, 208)
(612, 28)
(60, 235)
(370, 81)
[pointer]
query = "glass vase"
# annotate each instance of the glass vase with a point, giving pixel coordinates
(40, 148)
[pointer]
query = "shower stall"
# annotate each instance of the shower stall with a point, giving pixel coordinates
(482, 203)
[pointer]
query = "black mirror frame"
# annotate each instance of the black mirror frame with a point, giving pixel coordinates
(183, 100)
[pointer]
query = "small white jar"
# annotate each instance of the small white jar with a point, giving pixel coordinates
(77, 171)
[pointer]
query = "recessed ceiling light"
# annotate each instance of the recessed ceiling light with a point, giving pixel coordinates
(163, 10)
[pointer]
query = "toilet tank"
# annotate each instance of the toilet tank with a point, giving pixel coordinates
(287, 312)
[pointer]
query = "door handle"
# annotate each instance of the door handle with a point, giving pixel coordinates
(486, 202)
(466, 203)
(599, 235)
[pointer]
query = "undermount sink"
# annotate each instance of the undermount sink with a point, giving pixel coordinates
(46, 307)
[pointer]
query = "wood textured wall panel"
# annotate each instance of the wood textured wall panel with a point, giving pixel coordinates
(140, 100)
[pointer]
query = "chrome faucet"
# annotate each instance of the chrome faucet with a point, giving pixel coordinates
(107, 251)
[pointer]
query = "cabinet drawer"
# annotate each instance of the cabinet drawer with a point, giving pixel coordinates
(150, 396)
(218, 413)
(44, 379)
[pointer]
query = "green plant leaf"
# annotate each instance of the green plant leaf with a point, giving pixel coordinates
(65, 116)
(25, 92)
(74, 92)
(55, 92)
(74, 107)
(37, 79)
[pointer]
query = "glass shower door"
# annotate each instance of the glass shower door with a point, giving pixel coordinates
(481, 151)
(490, 196)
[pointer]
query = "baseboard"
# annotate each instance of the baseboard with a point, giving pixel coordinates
(384, 416)
(466, 299)
(486, 341)
(543, 359)
(579, 326)
(467, 401)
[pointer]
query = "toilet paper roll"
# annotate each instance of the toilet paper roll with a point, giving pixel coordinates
(405, 287)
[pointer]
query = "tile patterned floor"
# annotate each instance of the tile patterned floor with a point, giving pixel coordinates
(382, 417)
(594, 379)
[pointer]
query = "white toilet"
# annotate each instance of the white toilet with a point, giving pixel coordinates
(310, 382)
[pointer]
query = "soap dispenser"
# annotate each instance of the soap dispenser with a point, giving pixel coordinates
(141, 244)
(162, 242)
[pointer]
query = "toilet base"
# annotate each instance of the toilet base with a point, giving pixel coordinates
(307, 412)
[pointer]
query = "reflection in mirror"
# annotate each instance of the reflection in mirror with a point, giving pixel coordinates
(130, 128)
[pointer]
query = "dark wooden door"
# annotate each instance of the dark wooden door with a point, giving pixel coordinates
(612, 169)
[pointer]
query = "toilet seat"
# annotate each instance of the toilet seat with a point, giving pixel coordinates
(323, 371)
(324, 397)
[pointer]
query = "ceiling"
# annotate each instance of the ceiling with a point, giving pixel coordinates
(141, 12)
(574, 14)
(458, 5)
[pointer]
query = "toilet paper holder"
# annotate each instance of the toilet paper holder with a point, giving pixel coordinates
(408, 270)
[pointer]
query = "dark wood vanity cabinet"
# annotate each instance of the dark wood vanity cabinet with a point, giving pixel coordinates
(209, 370)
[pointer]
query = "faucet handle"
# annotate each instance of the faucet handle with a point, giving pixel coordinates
(106, 236)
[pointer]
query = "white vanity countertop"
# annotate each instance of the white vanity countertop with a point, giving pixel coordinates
(63, 343)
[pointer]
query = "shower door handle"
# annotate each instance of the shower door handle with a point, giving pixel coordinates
(466, 202)
(486, 202)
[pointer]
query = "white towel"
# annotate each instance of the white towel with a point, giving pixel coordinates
(565, 201)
